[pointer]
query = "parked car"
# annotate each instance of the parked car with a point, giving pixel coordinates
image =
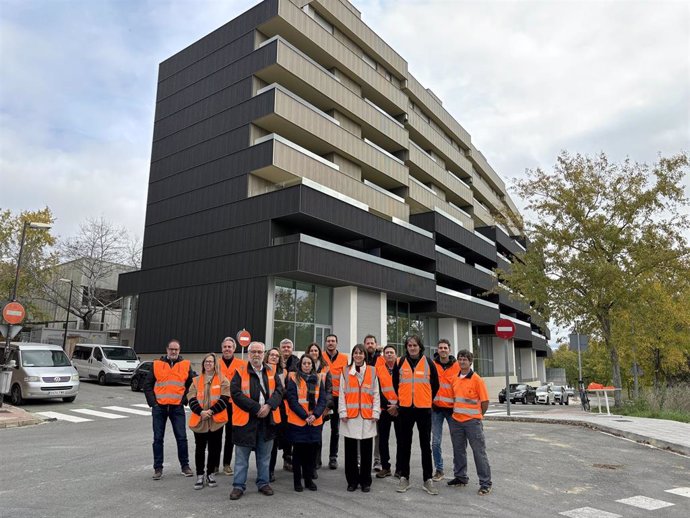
(560, 395)
(570, 391)
(545, 395)
(41, 371)
(519, 392)
(105, 363)
(137, 381)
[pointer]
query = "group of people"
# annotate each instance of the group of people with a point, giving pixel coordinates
(279, 401)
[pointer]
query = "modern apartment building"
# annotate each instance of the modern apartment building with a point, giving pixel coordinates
(303, 182)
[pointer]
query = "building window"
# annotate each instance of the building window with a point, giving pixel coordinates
(484, 356)
(400, 324)
(369, 60)
(300, 311)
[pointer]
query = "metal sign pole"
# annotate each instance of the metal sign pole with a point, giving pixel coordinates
(505, 343)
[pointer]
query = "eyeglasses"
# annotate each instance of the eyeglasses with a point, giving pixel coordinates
(256, 352)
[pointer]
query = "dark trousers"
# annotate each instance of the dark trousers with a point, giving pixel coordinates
(303, 462)
(213, 441)
(160, 415)
(227, 447)
(335, 431)
(407, 418)
(353, 474)
(384, 432)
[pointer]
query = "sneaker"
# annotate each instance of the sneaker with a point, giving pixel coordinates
(287, 466)
(333, 463)
(430, 487)
(377, 467)
(383, 473)
(351, 488)
(227, 469)
(266, 490)
(157, 474)
(299, 488)
(483, 491)
(456, 482)
(438, 475)
(397, 474)
(236, 493)
(310, 486)
(199, 484)
(211, 480)
(366, 489)
(187, 471)
(403, 485)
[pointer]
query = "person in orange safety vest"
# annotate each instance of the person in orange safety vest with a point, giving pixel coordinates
(336, 362)
(442, 410)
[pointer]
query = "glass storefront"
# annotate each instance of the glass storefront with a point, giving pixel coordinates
(484, 356)
(400, 324)
(302, 312)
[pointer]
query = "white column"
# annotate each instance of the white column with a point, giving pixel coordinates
(448, 329)
(464, 340)
(345, 317)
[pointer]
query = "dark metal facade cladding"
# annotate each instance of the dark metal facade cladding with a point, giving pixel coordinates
(502, 240)
(464, 273)
(455, 307)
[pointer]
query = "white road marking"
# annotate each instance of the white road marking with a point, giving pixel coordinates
(128, 410)
(589, 512)
(142, 405)
(64, 417)
(681, 491)
(644, 502)
(96, 413)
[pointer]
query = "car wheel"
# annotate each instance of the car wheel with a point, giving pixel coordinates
(534, 401)
(524, 400)
(16, 396)
(101, 378)
(501, 401)
(69, 399)
(553, 402)
(134, 384)
(567, 402)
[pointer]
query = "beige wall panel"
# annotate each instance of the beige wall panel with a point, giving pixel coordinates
(451, 154)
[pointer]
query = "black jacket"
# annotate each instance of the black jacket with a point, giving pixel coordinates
(150, 381)
(256, 428)
(433, 374)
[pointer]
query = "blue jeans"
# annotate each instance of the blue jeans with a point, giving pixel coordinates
(161, 414)
(437, 418)
(471, 431)
(262, 452)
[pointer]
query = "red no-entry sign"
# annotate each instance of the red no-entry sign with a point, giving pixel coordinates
(244, 338)
(505, 329)
(13, 313)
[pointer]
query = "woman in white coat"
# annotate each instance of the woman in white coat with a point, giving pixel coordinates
(359, 409)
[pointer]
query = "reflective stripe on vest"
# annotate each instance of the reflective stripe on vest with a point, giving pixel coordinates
(464, 408)
(386, 383)
(444, 397)
(302, 399)
(414, 386)
(360, 398)
(169, 387)
(200, 383)
(336, 367)
(241, 417)
(229, 371)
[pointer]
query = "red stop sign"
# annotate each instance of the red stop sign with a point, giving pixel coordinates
(244, 338)
(505, 329)
(13, 313)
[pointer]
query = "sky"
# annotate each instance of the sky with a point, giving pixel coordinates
(527, 79)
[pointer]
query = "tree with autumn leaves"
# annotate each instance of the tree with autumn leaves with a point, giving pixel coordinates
(609, 252)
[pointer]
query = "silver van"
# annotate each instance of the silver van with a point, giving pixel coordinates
(105, 363)
(41, 371)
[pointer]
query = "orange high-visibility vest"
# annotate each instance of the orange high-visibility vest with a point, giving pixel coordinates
(292, 417)
(170, 381)
(386, 383)
(336, 367)
(200, 384)
(444, 397)
(414, 386)
(229, 372)
(241, 417)
(359, 399)
(467, 404)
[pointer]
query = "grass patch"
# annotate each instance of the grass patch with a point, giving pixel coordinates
(672, 403)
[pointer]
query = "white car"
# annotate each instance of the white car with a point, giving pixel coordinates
(545, 395)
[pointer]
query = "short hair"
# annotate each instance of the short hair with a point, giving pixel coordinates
(334, 336)
(464, 353)
(175, 340)
(228, 339)
(370, 336)
(263, 345)
(445, 341)
(389, 346)
(287, 341)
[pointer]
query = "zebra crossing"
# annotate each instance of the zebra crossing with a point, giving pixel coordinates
(639, 501)
(85, 415)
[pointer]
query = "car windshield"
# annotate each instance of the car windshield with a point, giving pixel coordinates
(557, 389)
(543, 389)
(119, 353)
(45, 359)
(521, 387)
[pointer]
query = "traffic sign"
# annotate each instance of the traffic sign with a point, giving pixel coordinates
(13, 313)
(244, 338)
(7, 330)
(505, 329)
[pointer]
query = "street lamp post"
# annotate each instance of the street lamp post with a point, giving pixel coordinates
(69, 305)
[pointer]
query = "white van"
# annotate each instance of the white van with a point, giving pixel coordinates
(41, 371)
(105, 363)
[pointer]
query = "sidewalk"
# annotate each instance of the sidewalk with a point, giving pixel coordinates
(661, 433)
(11, 416)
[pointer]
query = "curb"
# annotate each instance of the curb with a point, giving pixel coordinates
(643, 439)
(17, 417)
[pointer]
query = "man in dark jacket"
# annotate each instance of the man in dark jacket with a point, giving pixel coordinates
(165, 388)
(252, 418)
(288, 363)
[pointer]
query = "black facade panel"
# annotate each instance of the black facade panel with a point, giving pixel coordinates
(207, 65)
(501, 239)
(463, 272)
(186, 139)
(523, 333)
(217, 244)
(217, 103)
(460, 308)
(239, 163)
(201, 316)
(128, 283)
(217, 81)
(507, 300)
(203, 153)
(219, 38)
(474, 245)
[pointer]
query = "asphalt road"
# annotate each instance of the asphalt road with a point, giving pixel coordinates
(103, 467)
